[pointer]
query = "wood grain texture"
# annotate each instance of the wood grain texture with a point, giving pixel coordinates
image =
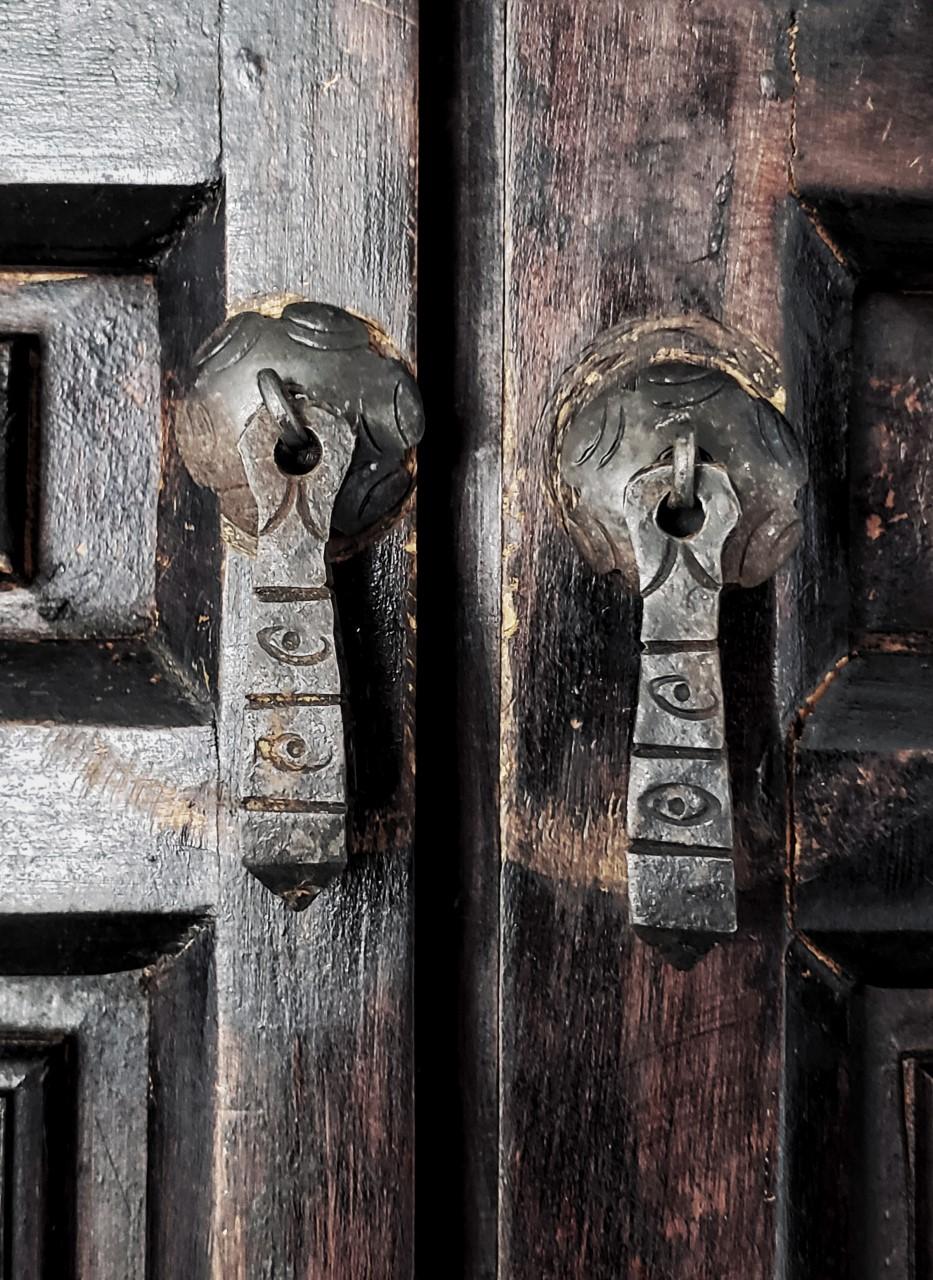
(187, 586)
(320, 155)
(812, 593)
(182, 1064)
(863, 100)
(818, 1122)
(106, 1115)
(123, 1143)
(650, 186)
(314, 1148)
(37, 1196)
(108, 819)
(858, 1052)
(861, 155)
(863, 800)
(125, 93)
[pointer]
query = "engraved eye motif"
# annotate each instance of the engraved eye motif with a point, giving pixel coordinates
(288, 752)
(682, 804)
(674, 694)
(287, 644)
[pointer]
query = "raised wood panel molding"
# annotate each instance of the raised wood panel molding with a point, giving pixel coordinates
(127, 94)
(37, 1150)
(106, 1081)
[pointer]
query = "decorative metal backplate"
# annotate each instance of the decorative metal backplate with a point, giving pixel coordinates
(651, 412)
(634, 422)
(302, 427)
(326, 357)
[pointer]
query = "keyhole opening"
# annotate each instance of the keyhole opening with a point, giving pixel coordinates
(680, 522)
(298, 459)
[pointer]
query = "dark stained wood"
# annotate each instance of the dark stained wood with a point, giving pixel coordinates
(857, 1123)
(862, 154)
(314, 1010)
(861, 159)
(917, 1072)
(182, 1066)
(104, 682)
(244, 1102)
(36, 1112)
(863, 803)
(857, 991)
(890, 457)
(82, 225)
(818, 1120)
(639, 1104)
(812, 594)
(188, 561)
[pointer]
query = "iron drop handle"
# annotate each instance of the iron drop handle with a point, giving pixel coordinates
(304, 428)
(683, 479)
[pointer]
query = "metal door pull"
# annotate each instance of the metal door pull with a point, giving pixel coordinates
(301, 426)
(679, 477)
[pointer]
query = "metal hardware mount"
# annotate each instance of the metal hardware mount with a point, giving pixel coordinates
(303, 428)
(677, 472)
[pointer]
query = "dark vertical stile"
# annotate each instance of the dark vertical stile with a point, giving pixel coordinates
(460, 366)
(646, 163)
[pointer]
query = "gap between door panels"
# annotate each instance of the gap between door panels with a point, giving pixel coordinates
(460, 344)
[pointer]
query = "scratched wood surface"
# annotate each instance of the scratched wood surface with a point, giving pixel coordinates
(122, 93)
(648, 151)
(757, 167)
(584, 1108)
(862, 155)
(889, 474)
(314, 1168)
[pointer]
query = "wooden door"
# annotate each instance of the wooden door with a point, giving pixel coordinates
(762, 1113)
(196, 1081)
(487, 1072)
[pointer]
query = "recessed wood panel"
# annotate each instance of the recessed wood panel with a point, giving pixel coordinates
(917, 1087)
(857, 1146)
(863, 800)
(19, 441)
(891, 464)
(100, 444)
(39, 1160)
(860, 148)
(106, 1080)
